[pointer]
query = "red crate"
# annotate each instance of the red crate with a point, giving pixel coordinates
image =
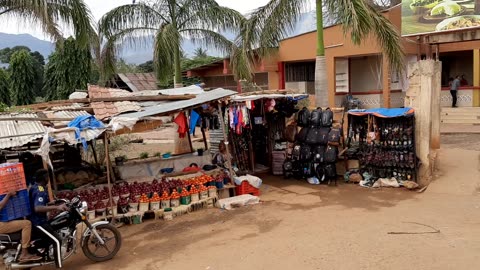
(246, 188)
(12, 177)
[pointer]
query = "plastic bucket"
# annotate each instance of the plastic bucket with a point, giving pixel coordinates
(212, 192)
(154, 205)
(174, 203)
(185, 200)
(143, 207)
(133, 207)
(165, 204)
(195, 197)
(203, 195)
(91, 215)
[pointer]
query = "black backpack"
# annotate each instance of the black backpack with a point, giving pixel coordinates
(288, 168)
(296, 151)
(313, 136)
(305, 152)
(302, 135)
(303, 118)
(316, 117)
(323, 135)
(331, 154)
(320, 173)
(327, 117)
(330, 171)
(334, 137)
(319, 154)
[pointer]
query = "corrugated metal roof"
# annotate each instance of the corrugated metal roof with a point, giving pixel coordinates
(182, 104)
(68, 107)
(18, 133)
(65, 114)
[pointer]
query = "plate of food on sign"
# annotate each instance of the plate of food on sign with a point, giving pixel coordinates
(442, 11)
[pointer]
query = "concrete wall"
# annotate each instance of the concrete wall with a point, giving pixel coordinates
(305, 87)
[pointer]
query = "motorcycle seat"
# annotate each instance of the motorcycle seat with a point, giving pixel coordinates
(11, 237)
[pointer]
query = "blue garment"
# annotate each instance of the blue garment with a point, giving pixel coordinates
(194, 117)
(84, 122)
(38, 197)
(384, 112)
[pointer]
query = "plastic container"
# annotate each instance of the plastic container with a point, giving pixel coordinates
(185, 200)
(246, 188)
(112, 211)
(133, 207)
(165, 204)
(195, 197)
(203, 195)
(174, 202)
(91, 215)
(168, 214)
(143, 207)
(154, 206)
(17, 207)
(212, 192)
(12, 177)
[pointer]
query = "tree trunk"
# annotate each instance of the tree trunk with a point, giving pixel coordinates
(321, 82)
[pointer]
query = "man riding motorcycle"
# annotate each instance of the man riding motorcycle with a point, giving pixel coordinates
(18, 225)
(39, 202)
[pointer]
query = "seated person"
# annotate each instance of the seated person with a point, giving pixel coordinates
(40, 205)
(221, 158)
(18, 225)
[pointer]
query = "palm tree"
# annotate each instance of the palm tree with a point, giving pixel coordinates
(271, 23)
(50, 14)
(200, 53)
(168, 22)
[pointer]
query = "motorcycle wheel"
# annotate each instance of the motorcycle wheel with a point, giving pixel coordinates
(91, 247)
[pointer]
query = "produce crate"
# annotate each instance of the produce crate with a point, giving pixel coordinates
(246, 188)
(17, 207)
(12, 177)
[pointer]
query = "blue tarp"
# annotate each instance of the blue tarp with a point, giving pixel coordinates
(384, 112)
(83, 122)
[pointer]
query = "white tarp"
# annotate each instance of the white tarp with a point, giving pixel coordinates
(237, 201)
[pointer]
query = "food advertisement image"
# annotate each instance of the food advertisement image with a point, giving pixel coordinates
(433, 16)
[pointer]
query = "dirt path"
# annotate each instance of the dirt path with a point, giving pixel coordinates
(299, 226)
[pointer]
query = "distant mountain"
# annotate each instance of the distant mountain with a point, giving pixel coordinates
(306, 23)
(35, 44)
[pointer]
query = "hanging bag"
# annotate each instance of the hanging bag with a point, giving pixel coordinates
(334, 137)
(327, 117)
(331, 154)
(305, 152)
(319, 154)
(316, 117)
(296, 152)
(330, 171)
(313, 136)
(303, 117)
(323, 135)
(320, 173)
(302, 135)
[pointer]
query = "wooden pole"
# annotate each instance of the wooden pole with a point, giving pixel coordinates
(49, 187)
(94, 153)
(188, 133)
(107, 157)
(204, 139)
(225, 139)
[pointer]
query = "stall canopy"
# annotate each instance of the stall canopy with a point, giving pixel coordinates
(384, 112)
(240, 98)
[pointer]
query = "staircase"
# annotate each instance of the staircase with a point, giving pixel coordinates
(462, 115)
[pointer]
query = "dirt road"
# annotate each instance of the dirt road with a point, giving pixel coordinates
(299, 226)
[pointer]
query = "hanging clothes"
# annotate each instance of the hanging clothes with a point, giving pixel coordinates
(194, 117)
(239, 124)
(181, 121)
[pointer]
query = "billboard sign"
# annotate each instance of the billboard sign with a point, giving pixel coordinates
(421, 17)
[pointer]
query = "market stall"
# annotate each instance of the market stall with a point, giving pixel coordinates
(383, 143)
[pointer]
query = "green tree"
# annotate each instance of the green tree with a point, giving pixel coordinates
(273, 22)
(200, 53)
(168, 22)
(52, 14)
(22, 78)
(69, 68)
(147, 67)
(4, 88)
(124, 67)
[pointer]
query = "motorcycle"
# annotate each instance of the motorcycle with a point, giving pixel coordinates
(100, 242)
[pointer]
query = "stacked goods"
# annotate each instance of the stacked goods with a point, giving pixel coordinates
(185, 198)
(100, 209)
(277, 162)
(175, 199)
(315, 150)
(203, 192)
(12, 178)
(144, 202)
(194, 194)
(165, 200)
(155, 201)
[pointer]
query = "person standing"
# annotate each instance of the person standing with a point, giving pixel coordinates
(454, 89)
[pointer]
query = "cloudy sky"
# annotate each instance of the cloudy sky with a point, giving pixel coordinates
(100, 7)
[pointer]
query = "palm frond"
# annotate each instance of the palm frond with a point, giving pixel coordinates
(129, 16)
(167, 41)
(208, 14)
(48, 14)
(361, 20)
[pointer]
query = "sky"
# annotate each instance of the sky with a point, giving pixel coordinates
(100, 7)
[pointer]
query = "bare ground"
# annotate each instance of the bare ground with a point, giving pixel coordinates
(299, 226)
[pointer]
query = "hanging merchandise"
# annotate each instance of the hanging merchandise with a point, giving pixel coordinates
(194, 117)
(384, 143)
(303, 117)
(316, 117)
(181, 121)
(327, 117)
